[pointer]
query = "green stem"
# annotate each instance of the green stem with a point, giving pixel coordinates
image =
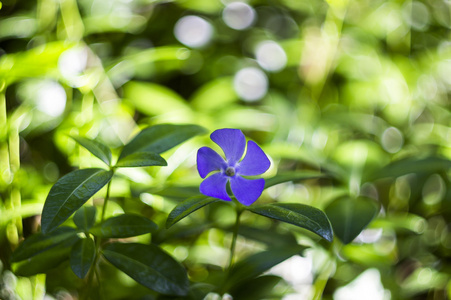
(105, 202)
(235, 235)
(93, 271)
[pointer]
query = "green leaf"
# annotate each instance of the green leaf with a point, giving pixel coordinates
(39, 242)
(44, 261)
(141, 159)
(187, 207)
(275, 239)
(150, 266)
(350, 216)
(70, 193)
(256, 264)
(292, 176)
(301, 215)
(85, 217)
(154, 99)
(160, 138)
(125, 225)
(261, 287)
(405, 166)
(82, 256)
(221, 89)
(96, 148)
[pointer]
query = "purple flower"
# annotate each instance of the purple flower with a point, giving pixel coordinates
(255, 162)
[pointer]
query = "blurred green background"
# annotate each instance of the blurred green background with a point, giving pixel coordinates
(359, 90)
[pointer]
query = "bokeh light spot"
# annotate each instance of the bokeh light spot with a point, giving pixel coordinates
(193, 31)
(51, 98)
(392, 140)
(271, 56)
(251, 84)
(238, 15)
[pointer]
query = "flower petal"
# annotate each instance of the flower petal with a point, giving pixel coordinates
(255, 162)
(246, 191)
(208, 160)
(215, 186)
(232, 142)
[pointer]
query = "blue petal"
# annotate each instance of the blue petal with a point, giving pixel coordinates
(208, 160)
(232, 142)
(246, 191)
(215, 186)
(255, 162)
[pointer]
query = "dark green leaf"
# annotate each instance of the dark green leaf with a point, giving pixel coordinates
(125, 225)
(261, 287)
(292, 176)
(96, 148)
(85, 217)
(350, 216)
(70, 193)
(160, 138)
(402, 167)
(258, 263)
(276, 239)
(176, 192)
(44, 261)
(150, 266)
(82, 256)
(141, 159)
(187, 207)
(39, 242)
(301, 215)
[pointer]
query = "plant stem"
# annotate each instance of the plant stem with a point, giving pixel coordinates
(105, 202)
(235, 235)
(93, 271)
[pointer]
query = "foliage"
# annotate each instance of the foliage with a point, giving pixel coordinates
(104, 105)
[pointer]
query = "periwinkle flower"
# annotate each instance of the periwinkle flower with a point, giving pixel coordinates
(255, 162)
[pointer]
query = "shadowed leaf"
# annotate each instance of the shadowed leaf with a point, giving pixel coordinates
(70, 193)
(187, 207)
(82, 257)
(125, 225)
(96, 148)
(301, 215)
(150, 266)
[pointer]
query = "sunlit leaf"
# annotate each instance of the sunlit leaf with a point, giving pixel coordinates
(160, 138)
(153, 99)
(69, 193)
(292, 176)
(221, 89)
(187, 207)
(150, 266)
(301, 215)
(85, 217)
(96, 148)
(141, 159)
(350, 216)
(82, 256)
(125, 225)
(40, 242)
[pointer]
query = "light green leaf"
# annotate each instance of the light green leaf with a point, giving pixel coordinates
(85, 217)
(187, 207)
(96, 148)
(292, 176)
(125, 225)
(350, 216)
(70, 193)
(159, 138)
(153, 99)
(82, 256)
(150, 266)
(141, 159)
(301, 215)
(39, 242)
(220, 89)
